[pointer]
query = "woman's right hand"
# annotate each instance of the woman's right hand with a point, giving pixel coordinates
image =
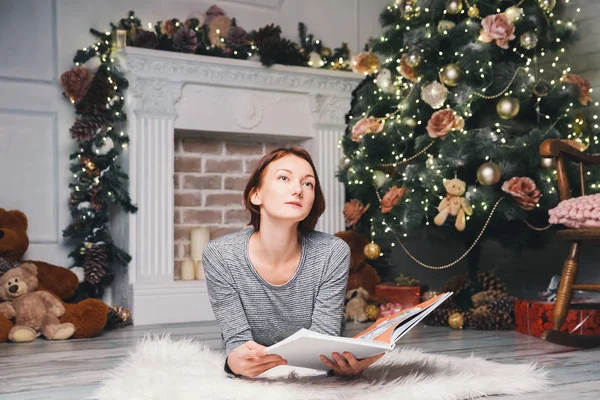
(251, 359)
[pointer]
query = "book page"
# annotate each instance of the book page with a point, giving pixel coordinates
(383, 329)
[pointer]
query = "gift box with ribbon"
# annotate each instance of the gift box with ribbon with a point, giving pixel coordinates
(405, 296)
(533, 317)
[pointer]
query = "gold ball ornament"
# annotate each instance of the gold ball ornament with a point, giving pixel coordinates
(547, 5)
(372, 251)
(409, 9)
(473, 12)
(489, 174)
(410, 121)
(528, 40)
(456, 320)
(445, 26)
(508, 107)
(326, 52)
(548, 162)
(372, 312)
(454, 6)
(380, 178)
(450, 75)
(344, 162)
(513, 13)
(413, 59)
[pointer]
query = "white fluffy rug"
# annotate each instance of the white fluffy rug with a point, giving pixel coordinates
(161, 368)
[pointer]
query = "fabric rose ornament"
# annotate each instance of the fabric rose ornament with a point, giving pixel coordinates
(366, 125)
(76, 82)
(524, 191)
(442, 122)
(581, 84)
(499, 28)
(168, 28)
(391, 198)
(353, 211)
(406, 70)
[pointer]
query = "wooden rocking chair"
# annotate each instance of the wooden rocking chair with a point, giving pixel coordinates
(562, 151)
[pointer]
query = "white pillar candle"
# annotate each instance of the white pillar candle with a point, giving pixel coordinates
(187, 270)
(200, 271)
(199, 238)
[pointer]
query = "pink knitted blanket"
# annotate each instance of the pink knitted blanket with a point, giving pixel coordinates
(577, 212)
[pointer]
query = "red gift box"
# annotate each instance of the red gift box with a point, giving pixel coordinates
(533, 317)
(407, 296)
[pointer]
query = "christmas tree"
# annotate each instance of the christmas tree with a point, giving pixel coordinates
(444, 131)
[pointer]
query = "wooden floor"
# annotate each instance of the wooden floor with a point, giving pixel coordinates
(72, 369)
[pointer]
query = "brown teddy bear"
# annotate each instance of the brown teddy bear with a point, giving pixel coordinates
(88, 316)
(361, 273)
(454, 204)
(356, 304)
(34, 311)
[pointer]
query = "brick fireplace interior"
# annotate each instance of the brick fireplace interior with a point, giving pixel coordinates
(210, 176)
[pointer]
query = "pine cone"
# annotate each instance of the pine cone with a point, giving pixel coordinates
(504, 304)
(95, 264)
(496, 314)
(484, 319)
(457, 284)
(439, 316)
(267, 35)
(94, 102)
(118, 317)
(86, 128)
(489, 281)
(185, 40)
(145, 40)
(486, 297)
(237, 37)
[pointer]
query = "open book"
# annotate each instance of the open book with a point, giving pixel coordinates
(303, 348)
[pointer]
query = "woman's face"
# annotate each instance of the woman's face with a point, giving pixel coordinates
(287, 190)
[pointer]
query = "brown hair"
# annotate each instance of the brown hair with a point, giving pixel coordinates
(255, 181)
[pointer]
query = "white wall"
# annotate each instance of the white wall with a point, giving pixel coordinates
(38, 39)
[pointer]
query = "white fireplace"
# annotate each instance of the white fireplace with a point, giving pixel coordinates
(218, 97)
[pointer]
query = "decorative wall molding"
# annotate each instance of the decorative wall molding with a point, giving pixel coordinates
(229, 72)
(157, 96)
(329, 110)
(248, 110)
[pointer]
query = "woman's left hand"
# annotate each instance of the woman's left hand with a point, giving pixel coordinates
(348, 365)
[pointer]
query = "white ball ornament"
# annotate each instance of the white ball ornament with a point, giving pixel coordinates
(107, 146)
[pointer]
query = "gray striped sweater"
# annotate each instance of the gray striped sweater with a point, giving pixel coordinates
(249, 308)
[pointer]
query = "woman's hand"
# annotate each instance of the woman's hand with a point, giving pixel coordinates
(251, 360)
(348, 365)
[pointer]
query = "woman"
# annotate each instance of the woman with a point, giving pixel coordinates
(279, 275)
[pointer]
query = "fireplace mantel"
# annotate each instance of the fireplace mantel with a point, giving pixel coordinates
(202, 95)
